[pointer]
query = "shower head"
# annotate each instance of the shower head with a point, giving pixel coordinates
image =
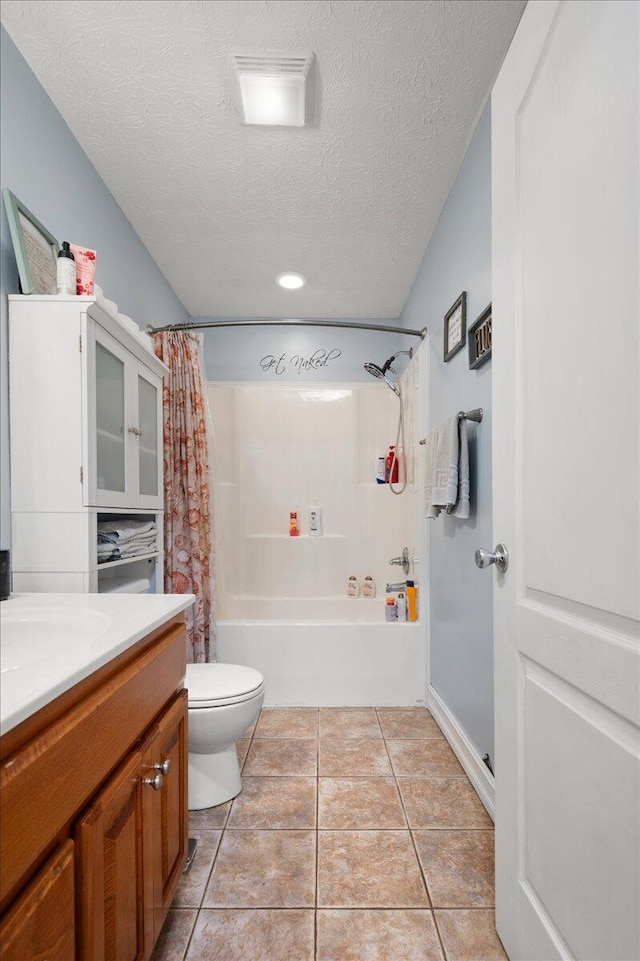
(374, 370)
(381, 374)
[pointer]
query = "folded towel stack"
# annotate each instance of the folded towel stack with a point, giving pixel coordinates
(447, 469)
(118, 540)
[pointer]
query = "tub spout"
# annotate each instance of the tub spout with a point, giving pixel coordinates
(400, 586)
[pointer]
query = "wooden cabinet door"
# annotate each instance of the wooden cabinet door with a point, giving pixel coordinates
(111, 878)
(165, 814)
(40, 925)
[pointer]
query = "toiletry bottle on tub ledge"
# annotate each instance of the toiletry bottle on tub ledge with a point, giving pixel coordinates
(353, 586)
(412, 602)
(401, 606)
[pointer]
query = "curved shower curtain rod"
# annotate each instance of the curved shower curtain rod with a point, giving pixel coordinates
(265, 322)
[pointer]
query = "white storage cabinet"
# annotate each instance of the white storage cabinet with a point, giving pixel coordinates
(86, 441)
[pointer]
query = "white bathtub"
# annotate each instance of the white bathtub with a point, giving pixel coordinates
(326, 651)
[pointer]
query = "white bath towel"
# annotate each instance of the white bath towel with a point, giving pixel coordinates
(447, 469)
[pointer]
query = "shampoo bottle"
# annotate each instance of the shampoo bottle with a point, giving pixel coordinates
(381, 475)
(315, 521)
(353, 587)
(390, 609)
(369, 587)
(66, 270)
(294, 524)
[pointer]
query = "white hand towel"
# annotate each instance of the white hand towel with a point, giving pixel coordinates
(447, 469)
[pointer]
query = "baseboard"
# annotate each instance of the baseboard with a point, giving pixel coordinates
(474, 767)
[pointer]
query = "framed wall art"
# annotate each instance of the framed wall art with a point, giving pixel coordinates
(455, 327)
(35, 248)
(480, 340)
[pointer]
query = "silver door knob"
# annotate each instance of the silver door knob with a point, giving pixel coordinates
(154, 782)
(499, 557)
(164, 766)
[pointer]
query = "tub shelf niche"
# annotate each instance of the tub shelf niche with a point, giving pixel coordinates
(300, 537)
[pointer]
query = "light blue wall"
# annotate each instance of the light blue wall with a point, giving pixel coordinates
(43, 164)
(242, 353)
(461, 620)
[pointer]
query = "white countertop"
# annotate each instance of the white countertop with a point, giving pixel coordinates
(49, 642)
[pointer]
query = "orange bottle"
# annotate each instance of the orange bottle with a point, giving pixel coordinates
(412, 602)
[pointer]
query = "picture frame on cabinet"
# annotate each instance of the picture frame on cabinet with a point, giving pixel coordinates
(480, 340)
(455, 327)
(35, 248)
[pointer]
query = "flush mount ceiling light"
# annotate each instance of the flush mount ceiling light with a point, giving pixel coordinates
(291, 281)
(275, 89)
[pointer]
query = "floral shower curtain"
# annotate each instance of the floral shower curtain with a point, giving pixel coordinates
(188, 534)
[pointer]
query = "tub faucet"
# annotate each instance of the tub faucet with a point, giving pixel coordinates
(400, 586)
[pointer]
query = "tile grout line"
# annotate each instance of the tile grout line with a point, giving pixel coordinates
(215, 857)
(315, 911)
(413, 843)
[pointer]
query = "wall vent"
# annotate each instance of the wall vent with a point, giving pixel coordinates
(273, 89)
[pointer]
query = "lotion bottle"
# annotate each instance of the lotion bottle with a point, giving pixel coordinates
(66, 270)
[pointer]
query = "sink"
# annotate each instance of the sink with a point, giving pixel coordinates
(29, 636)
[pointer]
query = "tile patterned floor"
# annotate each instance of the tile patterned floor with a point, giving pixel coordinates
(357, 837)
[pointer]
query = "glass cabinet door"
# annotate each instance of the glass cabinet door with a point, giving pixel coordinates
(148, 437)
(111, 461)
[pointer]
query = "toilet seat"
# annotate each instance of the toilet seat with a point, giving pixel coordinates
(215, 685)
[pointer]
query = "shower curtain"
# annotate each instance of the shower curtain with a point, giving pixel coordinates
(188, 533)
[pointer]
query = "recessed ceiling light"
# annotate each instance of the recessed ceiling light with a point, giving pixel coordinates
(291, 281)
(273, 89)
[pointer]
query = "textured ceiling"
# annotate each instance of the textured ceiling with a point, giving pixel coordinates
(350, 202)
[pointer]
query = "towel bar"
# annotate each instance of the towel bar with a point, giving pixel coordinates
(476, 415)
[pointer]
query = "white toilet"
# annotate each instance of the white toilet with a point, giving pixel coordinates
(224, 699)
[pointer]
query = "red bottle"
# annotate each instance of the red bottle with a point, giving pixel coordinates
(391, 466)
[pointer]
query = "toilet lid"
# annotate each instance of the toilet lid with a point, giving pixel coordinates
(220, 682)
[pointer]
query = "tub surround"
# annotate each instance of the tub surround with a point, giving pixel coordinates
(50, 642)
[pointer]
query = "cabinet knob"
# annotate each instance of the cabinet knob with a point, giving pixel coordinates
(163, 767)
(154, 782)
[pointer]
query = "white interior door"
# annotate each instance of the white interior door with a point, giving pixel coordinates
(566, 482)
